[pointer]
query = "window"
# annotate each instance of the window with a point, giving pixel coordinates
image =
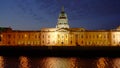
(113, 36)
(48, 36)
(62, 36)
(39, 36)
(97, 36)
(43, 42)
(62, 42)
(58, 36)
(89, 42)
(66, 36)
(9, 36)
(81, 36)
(71, 42)
(107, 36)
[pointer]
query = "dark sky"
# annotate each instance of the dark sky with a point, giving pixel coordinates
(36, 14)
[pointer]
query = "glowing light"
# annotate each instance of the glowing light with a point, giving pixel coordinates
(116, 63)
(116, 39)
(54, 37)
(100, 35)
(1, 35)
(53, 62)
(24, 63)
(101, 63)
(25, 35)
(1, 62)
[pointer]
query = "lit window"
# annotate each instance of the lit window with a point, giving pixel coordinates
(35, 36)
(25, 35)
(100, 35)
(28, 42)
(19, 43)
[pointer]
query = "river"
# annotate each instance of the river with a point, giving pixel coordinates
(59, 62)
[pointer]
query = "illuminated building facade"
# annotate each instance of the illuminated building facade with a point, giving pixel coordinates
(62, 35)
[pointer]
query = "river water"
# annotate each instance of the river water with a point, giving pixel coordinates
(58, 62)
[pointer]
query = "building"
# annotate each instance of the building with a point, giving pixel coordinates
(62, 35)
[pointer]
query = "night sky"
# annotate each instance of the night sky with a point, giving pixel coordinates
(36, 14)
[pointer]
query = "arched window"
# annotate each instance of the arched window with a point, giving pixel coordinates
(62, 43)
(48, 36)
(71, 42)
(48, 41)
(58, 36)
(43, 36)
(81, 36)
(43, 42)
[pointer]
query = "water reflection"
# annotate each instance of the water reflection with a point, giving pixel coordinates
(116, 63)
(57, 62)
(102, 63)
(1, 62)
(24, 62)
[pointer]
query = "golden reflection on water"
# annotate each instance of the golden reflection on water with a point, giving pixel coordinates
(24, 62)
(102, 63)
(116, 63)
(1, 62)
(56, 62)
(60, 62)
